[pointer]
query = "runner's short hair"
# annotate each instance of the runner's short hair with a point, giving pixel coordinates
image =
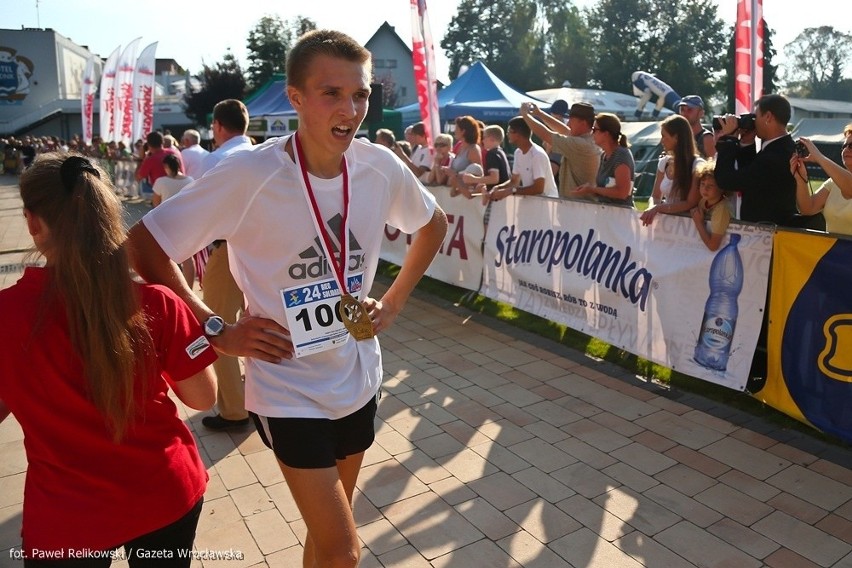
(322, 42)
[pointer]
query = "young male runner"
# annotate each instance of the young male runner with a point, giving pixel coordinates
(304, 217)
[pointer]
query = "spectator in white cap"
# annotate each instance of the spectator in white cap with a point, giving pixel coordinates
(691, 107)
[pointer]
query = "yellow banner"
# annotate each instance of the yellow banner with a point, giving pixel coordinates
(810, 331)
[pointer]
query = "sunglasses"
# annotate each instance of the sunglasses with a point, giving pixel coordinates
(845, 146)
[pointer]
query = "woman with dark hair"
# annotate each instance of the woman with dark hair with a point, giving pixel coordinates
(168, 186)
(676, 186)
(614, 182)
(468, 156)
(174, 180)
(88, 357)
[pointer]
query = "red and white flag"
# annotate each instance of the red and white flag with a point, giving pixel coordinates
(423, 58)
(748, 60)
(124, 94)
(107, 106)
(143, 92)
(87, 99)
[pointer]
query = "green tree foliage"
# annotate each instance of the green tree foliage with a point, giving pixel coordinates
(680, 42)
(617, 50)
(770, 70)
(299, 26)
(224, 80)
(504, 34)
(267, 46)
(568, 44)
(819, 58)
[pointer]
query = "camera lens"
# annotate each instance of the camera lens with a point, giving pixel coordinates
(746, 121)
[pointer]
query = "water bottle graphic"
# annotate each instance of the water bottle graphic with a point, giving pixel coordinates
(720, 311)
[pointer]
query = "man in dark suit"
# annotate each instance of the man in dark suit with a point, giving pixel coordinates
(764, 179)
(767, 186)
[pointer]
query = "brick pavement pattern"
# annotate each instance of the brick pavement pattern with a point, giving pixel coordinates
(496, 448)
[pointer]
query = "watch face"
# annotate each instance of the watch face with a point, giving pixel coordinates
(214, 325)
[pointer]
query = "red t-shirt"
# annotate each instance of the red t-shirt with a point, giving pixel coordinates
(83, 490)
(152, 167)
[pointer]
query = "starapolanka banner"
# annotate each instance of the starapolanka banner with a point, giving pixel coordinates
(654, 291)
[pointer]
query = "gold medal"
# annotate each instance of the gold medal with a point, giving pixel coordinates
(355, 318)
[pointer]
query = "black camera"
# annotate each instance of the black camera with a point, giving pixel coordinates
(744, 122)
(801, 149)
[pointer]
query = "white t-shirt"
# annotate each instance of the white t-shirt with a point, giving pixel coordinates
(255, 201)
(533, 165)
(231, 145)
(193, 158)
(422, 157)
(167, 187)
(666, 183)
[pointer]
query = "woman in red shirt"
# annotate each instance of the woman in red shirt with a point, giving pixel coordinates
(88, 357)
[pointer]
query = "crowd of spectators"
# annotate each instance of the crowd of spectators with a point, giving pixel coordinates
(591, 159)
(589, 154)
(18, 153)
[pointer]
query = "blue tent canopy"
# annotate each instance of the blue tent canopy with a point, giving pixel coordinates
(478, 93)
(271, 99)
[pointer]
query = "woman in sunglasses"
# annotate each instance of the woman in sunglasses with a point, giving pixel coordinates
(614, 182)
(834, 197)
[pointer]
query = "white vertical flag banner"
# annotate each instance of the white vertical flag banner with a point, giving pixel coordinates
(143, 92)
(756, 49)
(107, 104)
(423, 56)
(87, 99)
(124, 93)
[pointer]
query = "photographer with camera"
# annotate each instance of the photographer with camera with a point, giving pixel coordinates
(764, 179)
(766, 183)
(834, 197)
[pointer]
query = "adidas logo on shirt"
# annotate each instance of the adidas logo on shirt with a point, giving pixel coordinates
(316, 265)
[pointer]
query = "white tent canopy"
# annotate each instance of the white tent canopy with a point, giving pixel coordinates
(821, 130)
(619, 104)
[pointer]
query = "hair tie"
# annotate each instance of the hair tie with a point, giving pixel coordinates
(71, 169)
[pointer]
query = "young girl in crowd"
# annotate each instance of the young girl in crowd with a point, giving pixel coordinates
(713, 205)
(443, 157)
(88, 357)
(676, 185)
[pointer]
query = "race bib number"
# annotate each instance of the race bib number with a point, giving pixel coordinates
(313, 315)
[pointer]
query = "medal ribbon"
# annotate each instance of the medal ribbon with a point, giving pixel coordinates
(339, 266)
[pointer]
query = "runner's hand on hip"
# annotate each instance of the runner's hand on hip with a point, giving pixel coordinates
(381, 312)
(257, 337)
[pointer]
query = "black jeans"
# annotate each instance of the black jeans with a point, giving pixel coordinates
(168, 547)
